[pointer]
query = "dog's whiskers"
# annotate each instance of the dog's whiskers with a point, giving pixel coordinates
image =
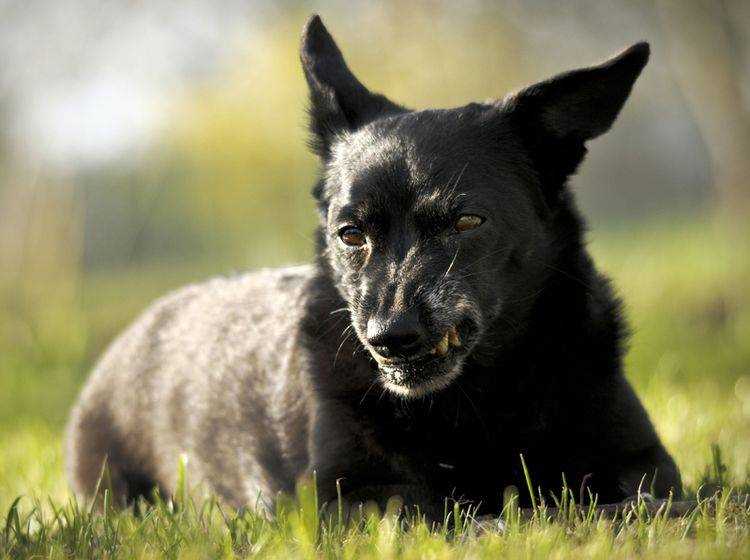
(458, 179)
(367, 392)
(339, 310)
(452, 262)
(347, 337)
(487, 256)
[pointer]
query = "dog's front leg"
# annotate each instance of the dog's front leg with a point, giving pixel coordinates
(351, 468)
(650, 472)
(351, 489)
(411, 498)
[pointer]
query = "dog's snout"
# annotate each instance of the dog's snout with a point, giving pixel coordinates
(401, 336)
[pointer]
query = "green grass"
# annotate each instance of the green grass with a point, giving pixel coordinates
(186, 529)
(686, 286)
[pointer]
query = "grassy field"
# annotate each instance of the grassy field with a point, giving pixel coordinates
(687, 289)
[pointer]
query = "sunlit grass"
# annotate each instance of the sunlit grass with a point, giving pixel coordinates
(187, 528)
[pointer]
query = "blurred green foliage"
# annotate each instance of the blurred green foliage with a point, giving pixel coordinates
(230, 174)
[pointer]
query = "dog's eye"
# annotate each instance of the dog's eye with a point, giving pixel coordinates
(467, 222)
(352, 236)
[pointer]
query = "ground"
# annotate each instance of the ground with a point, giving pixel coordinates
(685, 284)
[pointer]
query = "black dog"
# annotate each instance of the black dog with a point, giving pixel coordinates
(452, 321)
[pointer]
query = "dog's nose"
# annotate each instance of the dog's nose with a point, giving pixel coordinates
(401, 336)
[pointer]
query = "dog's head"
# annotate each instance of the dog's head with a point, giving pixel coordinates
(436, 223)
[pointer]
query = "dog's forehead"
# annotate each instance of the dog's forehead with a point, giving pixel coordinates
(395, 159)
(426, 161)
(366, 157)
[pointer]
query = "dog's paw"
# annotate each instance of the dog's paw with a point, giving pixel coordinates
(488, 524)
(635, 499)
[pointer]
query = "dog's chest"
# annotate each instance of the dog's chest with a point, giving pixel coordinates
(466, 448)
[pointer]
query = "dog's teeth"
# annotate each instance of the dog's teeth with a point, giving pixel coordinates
(442, 346)
(453, 337)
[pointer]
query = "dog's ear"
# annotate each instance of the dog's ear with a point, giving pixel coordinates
(338, 100)
(557, 116)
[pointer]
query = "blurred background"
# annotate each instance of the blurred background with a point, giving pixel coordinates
(146, 144)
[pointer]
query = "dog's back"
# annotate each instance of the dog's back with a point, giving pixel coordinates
(207, 371)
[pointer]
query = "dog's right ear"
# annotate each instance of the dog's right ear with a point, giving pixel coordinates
(558, 116)
(338, 100)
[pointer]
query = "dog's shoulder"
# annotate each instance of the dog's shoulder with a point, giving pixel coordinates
(198, 324)
(249, 296)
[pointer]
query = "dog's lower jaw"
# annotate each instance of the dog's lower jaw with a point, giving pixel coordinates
(422, 388)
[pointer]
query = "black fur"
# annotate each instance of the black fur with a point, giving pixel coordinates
(344, 368)
(543, 376)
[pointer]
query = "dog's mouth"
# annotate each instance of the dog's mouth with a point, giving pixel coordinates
(451, 339)
(429, 371)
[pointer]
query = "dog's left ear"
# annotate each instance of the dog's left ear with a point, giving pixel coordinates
(338, 100)
(557, 116)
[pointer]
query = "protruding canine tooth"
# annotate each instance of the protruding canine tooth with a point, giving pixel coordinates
(453, 337)
(442, 346)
